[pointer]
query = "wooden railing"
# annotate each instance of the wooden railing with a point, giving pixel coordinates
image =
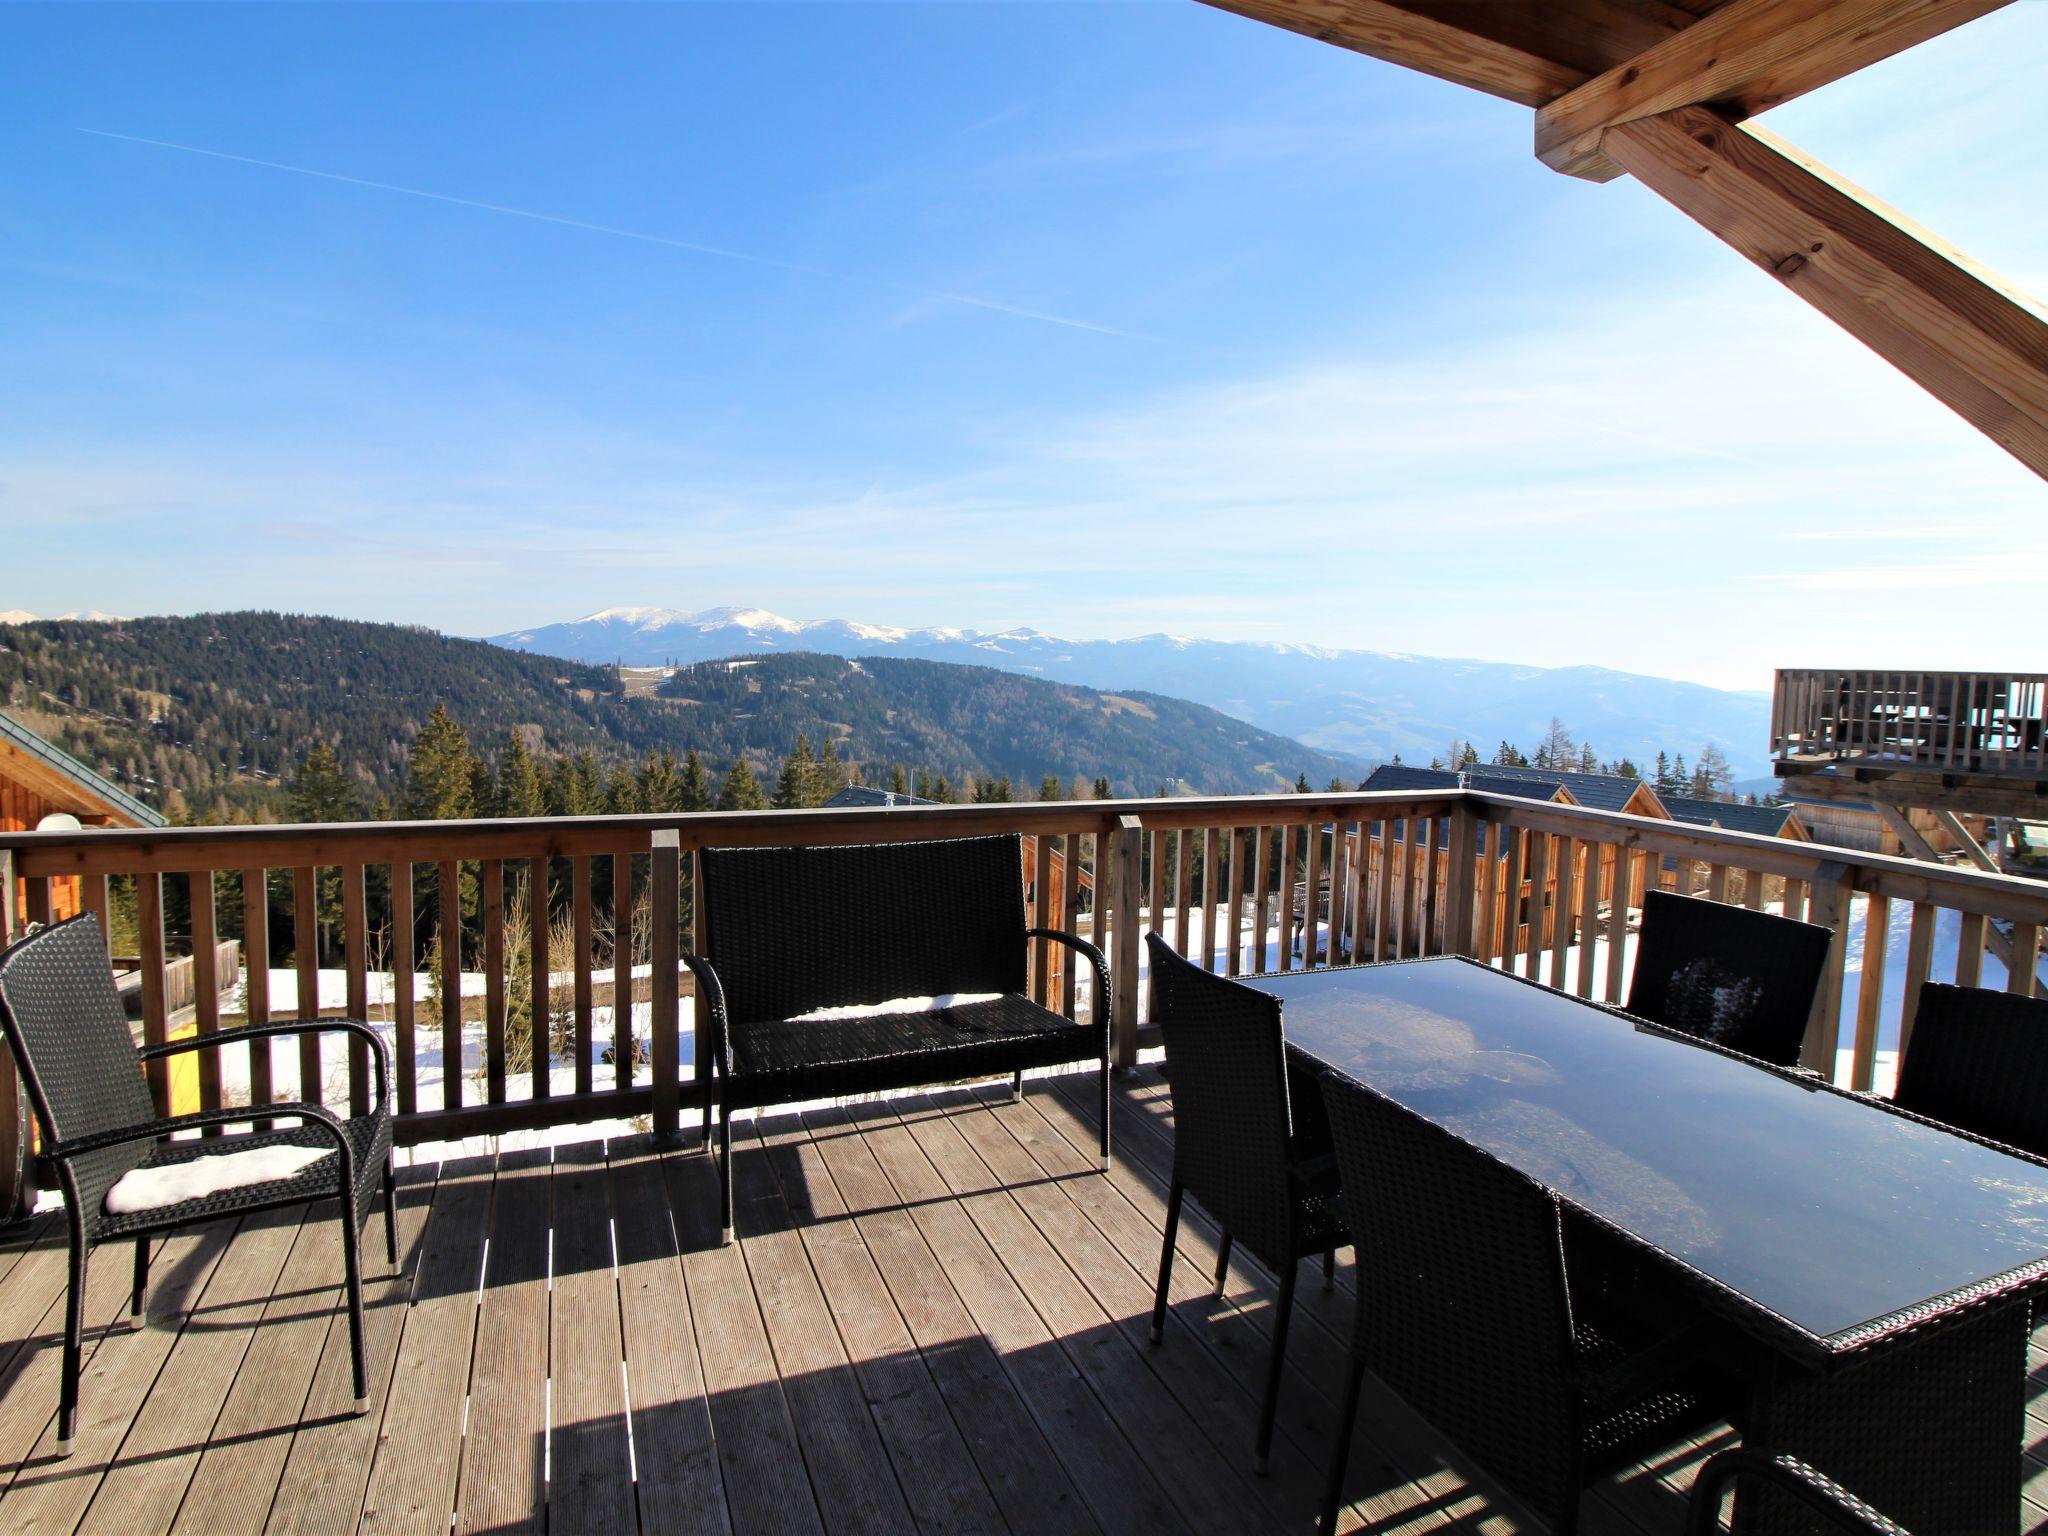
(1944, 722)
(1243, 884)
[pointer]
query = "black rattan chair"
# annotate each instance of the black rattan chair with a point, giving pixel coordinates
(1249, 1142)
(1789, 1475)
(1465, 1309)
(1978, 1060)
(791, 931)
(84, 1076)
(1742, 979)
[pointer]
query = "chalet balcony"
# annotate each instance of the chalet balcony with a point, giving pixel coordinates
(936, 1312)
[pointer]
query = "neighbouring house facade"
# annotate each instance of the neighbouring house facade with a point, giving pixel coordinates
(39, 780)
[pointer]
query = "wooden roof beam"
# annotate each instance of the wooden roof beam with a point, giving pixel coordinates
(1950, 325)
(1746, 57)
(1421, 40)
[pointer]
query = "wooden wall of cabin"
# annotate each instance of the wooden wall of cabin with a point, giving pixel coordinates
(20, 809)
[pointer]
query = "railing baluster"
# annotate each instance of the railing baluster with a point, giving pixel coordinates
(1617, 922)
(1539, 882)
(1589, 916)
(404, 990)
(149, 926)
(1284, 894)
(1830, 911)
(449, 896)
(205, 988)
(1877, 919)
(1753, 889)
(1795, 899)
(1210, 947)
(1183, 894)
(664, 1036)
(540, 972)
(2023, 975)
(1511, 905)
(1411, 885)
(1041, 890)
(579, 897)
(622, 970)
(355, 935)
(1262, 880)
(1431, 930)
(256, 967)
(1383, 896)
(1562, 912)
(492, 877)
(1234, 924)
(306, 971)
(1311, 900)
(1919, 967)
(1970, 950)
(1070, 920)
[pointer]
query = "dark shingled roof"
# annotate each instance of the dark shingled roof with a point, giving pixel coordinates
(862, 795)
(1731, 816)
(1595, 791)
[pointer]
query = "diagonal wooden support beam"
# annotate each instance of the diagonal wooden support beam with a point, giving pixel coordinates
(1746, 57)
(1951, 326)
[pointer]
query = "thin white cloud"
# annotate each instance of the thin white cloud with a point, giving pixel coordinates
(695, 247)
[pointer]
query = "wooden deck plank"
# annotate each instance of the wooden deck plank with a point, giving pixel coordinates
(1122, 1492)
(941, 1483)
(1019, 1465)
(851, 1471)
(674, 1449)
(591, 1487)
(328, 1466)
(50, 1495)
(766, 1487)
(419, 1450)
(238, 1473)
(500, 1487)
(145, 1482)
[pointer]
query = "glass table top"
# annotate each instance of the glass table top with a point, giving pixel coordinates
(1815, 1206)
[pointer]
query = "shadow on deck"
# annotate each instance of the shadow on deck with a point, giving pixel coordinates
(935, 1320)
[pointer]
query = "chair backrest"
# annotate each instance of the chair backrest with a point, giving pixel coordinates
(69, 1034)
(1978, 1060)
(1462, 1301)
(793, 929)
(1742, 979)
(1226, 1062)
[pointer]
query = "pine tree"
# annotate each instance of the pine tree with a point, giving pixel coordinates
(622, 794)
(1662, 781)
(1712, 773)
(520, 791)
(899, 781)
(323, 791)
(694, 793)
(796, 786)
(1301, 784)
(1050, 788)
(440, 783)
(1102, 789)
(1589, 762)
(941, 790)
(660, 787)
(589, 782)
(742, 791)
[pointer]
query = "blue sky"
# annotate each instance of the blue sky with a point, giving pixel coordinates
(1101, 318)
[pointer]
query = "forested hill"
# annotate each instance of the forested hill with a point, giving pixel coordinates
(209, 714)
(959, 720)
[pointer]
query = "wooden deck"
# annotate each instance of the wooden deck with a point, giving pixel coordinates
(935, 1320)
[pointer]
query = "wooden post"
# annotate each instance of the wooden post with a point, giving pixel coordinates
(10, 919)
(17, 1168)
(664, 1046)
(1123, 946)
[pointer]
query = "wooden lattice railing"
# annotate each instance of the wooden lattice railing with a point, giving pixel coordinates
(412, 911)
(1944, 722)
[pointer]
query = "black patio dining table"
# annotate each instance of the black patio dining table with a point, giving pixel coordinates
(1873, 1271)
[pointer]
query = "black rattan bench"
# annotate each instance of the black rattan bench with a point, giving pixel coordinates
(835, 931)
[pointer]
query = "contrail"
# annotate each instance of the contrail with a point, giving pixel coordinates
(693, 246)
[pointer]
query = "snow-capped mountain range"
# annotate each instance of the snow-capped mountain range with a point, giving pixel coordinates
(1366, 704)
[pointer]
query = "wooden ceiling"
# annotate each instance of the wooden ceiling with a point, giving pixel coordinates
(1661, 89)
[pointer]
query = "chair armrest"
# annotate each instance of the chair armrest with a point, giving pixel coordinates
(157, 1130)
(711, 992)
(1790, 1475)
(1095, 958)
(241, 1032)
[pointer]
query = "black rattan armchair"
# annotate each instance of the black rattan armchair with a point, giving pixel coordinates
(1742, 979)
(1465, 1309)
(1789, 1475)
(1978, 1060)
(1250, 1142)
(790, 932)
(84, 1076)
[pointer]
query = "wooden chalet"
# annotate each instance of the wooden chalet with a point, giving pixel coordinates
(39, 781)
